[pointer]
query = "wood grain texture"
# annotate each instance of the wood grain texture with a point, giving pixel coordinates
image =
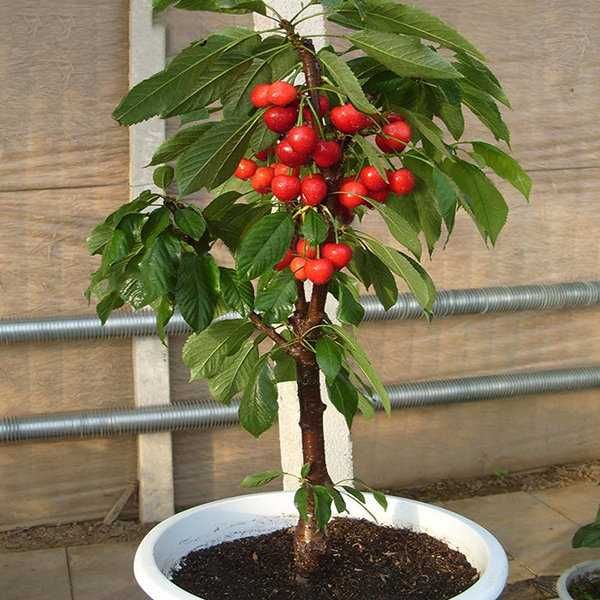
(64, 65)
(547, 55)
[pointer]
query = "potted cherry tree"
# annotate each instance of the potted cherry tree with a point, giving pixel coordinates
(299, 150)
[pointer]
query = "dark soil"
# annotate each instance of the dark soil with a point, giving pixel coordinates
(365, 561)
(586, 587)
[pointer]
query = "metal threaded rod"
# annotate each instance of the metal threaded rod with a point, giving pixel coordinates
(211, 415)
(449, 302)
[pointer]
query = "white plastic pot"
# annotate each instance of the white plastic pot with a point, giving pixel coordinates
(565, 580)
(244, 516)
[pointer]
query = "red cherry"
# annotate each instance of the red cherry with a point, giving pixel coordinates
(314, 190)
(302, 139)
(288, 156)
(282, 93)
(281, 169)
(264, 154)
(259, 96)
(304, 249)
(372, 180)
(285, 261)
(285, 187)
(351, 194)
(261, 180)
(402, 181)
(348, 120)
(280, 118)
(297, 267)
(396, 135)
(381, 196)
(339, 254)
(327, 154)
(319, 270)
(245, 169)
(307, 113)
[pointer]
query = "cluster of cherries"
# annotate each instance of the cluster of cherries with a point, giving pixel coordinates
(299, 146)
(315, 263)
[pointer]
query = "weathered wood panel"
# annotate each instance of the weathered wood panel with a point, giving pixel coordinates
(63, 67)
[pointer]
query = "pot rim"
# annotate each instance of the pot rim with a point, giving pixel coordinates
(562, 585)
(156, 584)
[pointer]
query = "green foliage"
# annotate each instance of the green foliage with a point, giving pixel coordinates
(588, 536)
(159, 250)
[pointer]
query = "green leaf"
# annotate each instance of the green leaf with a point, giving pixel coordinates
(223, 6)
(137, 205)
(283, 61)
(99, 237)
(329, 357)
(429, 216)
(236, 100)
(260, 479)
(394, 17)
(264, 244)
(263, 137)
(481, 77)
(301, 502)
(383, 281)
(342, 75)
(314, 227)
(323, 501)
(340, 504)
(415, 276)
(504, 166)
(453, 118)
(163, 176)
(156, 223)
(373, 156)
(486, 110)
(235, 373)
(404, 55)
(258, 407)
(158, 268)
(191, 222)
(277, 295)
(196, 115)
(285, 366)
(109, 303)
(359, 266)
(362, 360)
(343, 396)
(380, 499)
(238, 294)
(197, 291)
(204, 352)
(399, 228)
(587, 537)
(163, 309)
(483, 199)
(305, 471)
(173, 147)
(155, 94)
(350, 310)
(427, 129)
(213, 158)
(356, 494)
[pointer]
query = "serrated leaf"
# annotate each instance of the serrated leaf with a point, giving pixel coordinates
(340, 504)
(109, 303)
(213, 158)
(399, 228)
(453, 118)
(264, 244)
(343, 396)
(197, 291)
(504, 166)
(137, 205)
(483, 199)
(258, 407)
(163, 176)
(262, 138)
(314, 227)
(350, 310)
(191, 222)
(404, 55)
(357, 494)
(429, 216)
(344, 78)
(238, 294)
(156, 223)
(204, 352)
(155, 94)
(427, 129)
(236, 99)
(481, 77)
(158, 268)
(394, 17)
(260, 479)
(329, 357)
(373, 156)
(384, 283)
(362, 360)
(280, 293)
(305, 471)
(415, 276)
(99, 237)
(486, 110)
(285, 366)
(173, 147)
(223, 6)
(235, 373)
(163, 309)
(323, 500)
(301, 502)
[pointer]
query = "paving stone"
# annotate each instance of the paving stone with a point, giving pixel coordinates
(103, 572)
(532, 532)
(518, 571)
(577, 502)
(35, 575)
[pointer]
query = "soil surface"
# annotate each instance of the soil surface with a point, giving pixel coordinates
(586, 587)
(365, 561)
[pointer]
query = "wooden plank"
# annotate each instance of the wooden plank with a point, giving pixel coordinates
(547, 55)
(66, 62)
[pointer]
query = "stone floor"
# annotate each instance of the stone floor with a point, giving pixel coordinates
(535, 528)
